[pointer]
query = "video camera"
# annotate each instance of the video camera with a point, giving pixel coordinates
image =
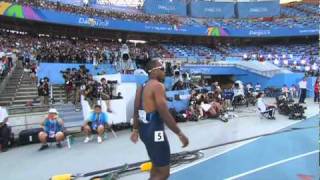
(293, 110)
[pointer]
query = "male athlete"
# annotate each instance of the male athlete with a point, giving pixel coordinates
(150, 113)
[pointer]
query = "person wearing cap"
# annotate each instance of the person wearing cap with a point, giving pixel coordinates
(52, 130)
(96, 122)
(5, 130)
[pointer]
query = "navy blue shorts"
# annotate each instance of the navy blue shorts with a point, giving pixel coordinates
(159, 152)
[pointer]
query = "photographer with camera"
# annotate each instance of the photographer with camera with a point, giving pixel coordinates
(78, 79)
(68, 86)
(91, 92)
(43, 91)
(105, 93)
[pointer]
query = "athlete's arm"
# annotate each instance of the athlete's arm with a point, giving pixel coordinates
(137, 105)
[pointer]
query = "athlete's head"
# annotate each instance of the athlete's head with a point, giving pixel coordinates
(155, 70)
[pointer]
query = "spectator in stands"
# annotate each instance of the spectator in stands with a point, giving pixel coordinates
(317, 90)
(53, 127)
(303, 90)
(264, 108)
(33, 73)
(96, 123)
(46, 91)
(178, 86)
(5, 130)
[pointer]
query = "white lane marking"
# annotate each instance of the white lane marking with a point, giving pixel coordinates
(271, 165)
(215, 155)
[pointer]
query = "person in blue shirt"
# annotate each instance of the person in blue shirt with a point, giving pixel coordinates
(52, 130)
(96, 123)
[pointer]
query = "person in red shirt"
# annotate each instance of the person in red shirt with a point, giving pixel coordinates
(317, 90)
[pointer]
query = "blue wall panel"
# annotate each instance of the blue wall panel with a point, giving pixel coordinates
(176, 7)
(211, 9)
(258, 9)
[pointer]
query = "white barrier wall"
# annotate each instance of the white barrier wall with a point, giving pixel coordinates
(122, 109)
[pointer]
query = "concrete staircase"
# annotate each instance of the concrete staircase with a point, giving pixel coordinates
(20, 90)
(8, 94)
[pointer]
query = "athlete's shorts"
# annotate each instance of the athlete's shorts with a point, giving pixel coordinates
(153, 136)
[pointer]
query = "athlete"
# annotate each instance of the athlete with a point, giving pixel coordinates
(150, 114)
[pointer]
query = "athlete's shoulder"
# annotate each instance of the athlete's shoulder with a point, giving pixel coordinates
(157, 86)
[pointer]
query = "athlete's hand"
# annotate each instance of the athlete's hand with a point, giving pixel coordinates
(134, 136)
(184, 139)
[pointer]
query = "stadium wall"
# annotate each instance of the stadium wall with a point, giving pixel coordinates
(55, 17)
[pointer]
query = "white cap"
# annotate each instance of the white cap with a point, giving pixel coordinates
(53, 111)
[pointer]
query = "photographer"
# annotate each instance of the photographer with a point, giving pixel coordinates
(91, 92)
(43, 91)
(78, 79)
(105, 93)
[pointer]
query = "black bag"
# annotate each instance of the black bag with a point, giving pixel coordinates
(29, 136)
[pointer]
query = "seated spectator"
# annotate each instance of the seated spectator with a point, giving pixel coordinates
(5, 130)
(96, 123)
(238, 93)
(53, 127)
(268, 109)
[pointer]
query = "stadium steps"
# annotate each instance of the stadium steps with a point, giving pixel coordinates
(22, 109)
(7, 95)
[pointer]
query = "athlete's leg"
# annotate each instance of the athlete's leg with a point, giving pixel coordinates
(162, 173)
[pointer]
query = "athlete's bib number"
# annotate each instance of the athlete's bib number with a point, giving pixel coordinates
(158, 136)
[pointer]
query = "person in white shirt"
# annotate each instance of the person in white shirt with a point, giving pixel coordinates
(285, 90)
(303, 90)
(264, 108)
(5, 130)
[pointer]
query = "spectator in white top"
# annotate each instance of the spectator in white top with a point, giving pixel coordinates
(293, 91)
(264, 108)
(303, 90)
(5, 130)
(285, 90)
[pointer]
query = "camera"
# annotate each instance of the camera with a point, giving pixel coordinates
(112, 82)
